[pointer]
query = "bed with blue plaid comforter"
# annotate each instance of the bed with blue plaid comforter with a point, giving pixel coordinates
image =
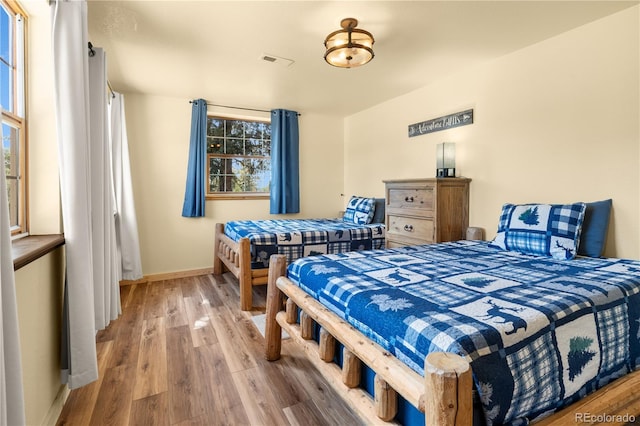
(297, 238)
(539, 333)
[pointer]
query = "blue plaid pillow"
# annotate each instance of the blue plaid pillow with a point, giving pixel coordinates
(594, 228)
(359, 210)
(540, 229)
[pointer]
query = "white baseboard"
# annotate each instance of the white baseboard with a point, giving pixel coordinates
(169, 276)
(56, 407)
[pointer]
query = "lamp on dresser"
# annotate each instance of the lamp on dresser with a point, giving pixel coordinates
(446, 159)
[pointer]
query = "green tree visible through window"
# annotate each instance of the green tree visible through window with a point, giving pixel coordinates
(238, 157)
(10, 148)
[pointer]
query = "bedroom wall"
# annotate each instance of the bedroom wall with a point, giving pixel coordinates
(158, 130)
(39, 288)
(45, 216)
(555, 122)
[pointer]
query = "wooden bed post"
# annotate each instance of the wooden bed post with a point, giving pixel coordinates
(306, 326)
(326, 345)
(292, 311)
(386, 399)
(246, 286)
(351, 368)
(217, 263)
(448, 384)
(273, 331)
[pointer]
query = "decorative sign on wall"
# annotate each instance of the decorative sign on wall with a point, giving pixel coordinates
(441, 123)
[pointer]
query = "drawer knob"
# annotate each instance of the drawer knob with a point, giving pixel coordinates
(408, 199)
(408, 228)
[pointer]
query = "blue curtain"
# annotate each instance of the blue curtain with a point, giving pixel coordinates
(194, 193)
(285, 175)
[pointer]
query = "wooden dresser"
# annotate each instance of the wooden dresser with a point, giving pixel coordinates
(424, 211)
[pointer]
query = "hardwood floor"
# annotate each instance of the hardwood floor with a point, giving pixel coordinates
(182, 353)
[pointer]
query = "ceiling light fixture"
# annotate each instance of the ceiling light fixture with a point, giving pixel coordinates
(349, 47)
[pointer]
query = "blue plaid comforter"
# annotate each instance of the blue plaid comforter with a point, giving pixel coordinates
(297, 238)
(539, 333)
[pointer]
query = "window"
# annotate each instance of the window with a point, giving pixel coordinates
(12, 100)
(238, 158)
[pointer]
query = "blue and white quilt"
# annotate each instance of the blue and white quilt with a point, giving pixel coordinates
(296, 238)
(539, 332)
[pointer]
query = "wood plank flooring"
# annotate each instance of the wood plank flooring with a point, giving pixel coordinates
(183, 353)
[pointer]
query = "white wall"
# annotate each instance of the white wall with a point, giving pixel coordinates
(555, 122)
(158, 129)
(39, 287)
(43, 185)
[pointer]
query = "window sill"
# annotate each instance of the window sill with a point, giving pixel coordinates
(27, 249)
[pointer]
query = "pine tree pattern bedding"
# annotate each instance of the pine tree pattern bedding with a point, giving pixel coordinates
(540, 333)
(297, 238)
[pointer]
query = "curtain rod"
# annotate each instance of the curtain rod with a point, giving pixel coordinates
(113, 94)
(91, 54)
(246, 109)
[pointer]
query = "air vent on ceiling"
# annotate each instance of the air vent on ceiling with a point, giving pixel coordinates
(276, 60)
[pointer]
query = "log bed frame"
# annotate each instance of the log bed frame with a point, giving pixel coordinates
(444, 394)
(236, 257)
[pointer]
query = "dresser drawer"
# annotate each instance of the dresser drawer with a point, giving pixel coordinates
(410, 227)
(411, 198)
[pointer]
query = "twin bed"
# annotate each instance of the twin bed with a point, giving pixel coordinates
(244, 247)
(521, 322)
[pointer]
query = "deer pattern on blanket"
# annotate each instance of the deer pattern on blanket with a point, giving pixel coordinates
(507, 315)
(539, 332)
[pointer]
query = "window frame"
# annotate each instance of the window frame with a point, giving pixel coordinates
(19, 107)
(232, 195)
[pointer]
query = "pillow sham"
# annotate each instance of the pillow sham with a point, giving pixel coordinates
(360, 210)
(540, 229)
(594, 228)
(378, 214)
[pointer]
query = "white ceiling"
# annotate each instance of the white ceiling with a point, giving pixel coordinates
(212, 49)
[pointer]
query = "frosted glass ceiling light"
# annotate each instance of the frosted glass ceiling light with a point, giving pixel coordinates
(349, 47)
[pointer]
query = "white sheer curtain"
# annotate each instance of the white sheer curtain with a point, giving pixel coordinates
(126, 222)
(11, 392)
(95, 184)
(106, 268)
(71, 81)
